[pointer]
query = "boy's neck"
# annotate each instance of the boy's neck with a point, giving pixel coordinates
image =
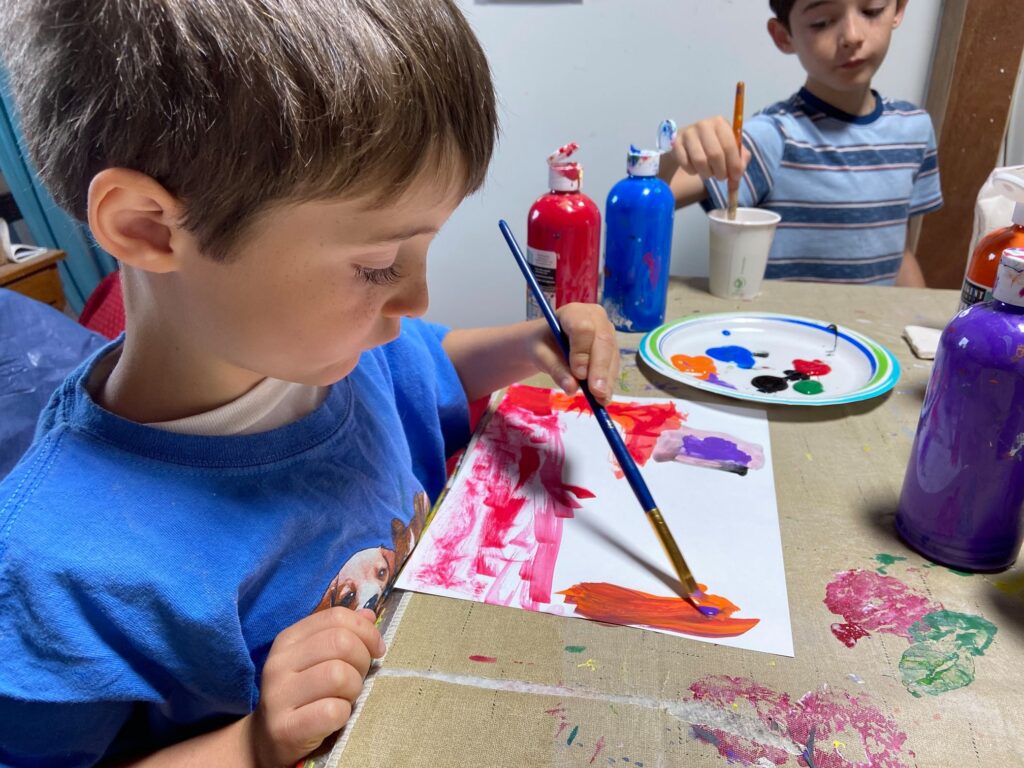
(161, 379)
(858, 103)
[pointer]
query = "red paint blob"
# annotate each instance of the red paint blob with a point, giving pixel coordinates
(483, 659)
(811, 367)
(619, 605)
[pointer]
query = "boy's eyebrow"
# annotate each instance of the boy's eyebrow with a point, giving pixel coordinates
(401, 234)
(814, 4)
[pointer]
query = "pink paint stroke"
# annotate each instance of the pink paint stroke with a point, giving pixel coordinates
(503, 546)
(813, 722)
(871, 602)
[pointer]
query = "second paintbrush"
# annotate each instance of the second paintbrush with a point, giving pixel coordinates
(626, 463)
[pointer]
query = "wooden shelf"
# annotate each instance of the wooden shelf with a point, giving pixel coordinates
(37, 278)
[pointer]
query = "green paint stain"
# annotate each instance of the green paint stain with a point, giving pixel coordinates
(572, 735)
(884, 561)
(959, 573)
(809, 387)
(575, 648)
(941, 658)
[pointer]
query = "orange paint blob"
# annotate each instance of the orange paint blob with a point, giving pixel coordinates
(619, 605)
(700, 366)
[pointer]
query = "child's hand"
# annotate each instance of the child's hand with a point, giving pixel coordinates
(593, 350)
(708, 148)
(311, 679)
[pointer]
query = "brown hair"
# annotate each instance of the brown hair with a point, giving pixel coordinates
(782, 9)
(233, 105)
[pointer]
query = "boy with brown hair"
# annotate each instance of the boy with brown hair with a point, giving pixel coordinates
(260, 443)
(843, 167)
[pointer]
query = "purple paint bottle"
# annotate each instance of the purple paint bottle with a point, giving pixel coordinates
(963, 495)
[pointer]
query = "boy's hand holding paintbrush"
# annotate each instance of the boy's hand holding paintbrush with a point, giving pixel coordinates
(709, 148)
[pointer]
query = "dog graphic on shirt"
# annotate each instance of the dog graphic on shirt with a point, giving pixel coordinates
(367, 576)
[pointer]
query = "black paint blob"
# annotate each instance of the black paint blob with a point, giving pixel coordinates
(796, 376)
(769, 384)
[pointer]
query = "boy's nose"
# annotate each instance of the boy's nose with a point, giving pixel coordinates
(411, 296)
(851, 31)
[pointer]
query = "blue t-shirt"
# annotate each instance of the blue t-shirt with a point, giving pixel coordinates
(144, 574)
(844, 185)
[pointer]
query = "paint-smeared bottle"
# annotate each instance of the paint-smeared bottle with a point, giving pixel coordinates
(980, 275)
(563, 237)
(963, 495)
(638, 244)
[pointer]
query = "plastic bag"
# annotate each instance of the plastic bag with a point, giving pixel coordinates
(39, 346)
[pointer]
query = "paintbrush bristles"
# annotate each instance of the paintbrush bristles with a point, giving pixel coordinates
(737, 132)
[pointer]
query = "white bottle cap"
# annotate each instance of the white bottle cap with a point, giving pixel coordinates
(1009, 286)
(642, 162)
(564, 175)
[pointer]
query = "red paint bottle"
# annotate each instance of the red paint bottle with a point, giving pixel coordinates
(563, 237)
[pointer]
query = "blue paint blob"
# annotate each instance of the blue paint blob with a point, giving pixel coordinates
(707, 610)
(741, 356)
(727, 333)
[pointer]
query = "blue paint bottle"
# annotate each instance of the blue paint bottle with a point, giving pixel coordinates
(638, 245)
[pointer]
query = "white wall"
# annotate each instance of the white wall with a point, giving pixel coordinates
(604, 73)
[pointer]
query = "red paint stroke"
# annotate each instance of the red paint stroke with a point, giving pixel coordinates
(597, 749)
(652, 269)
(813, 723)
(700, 366)
(871, 602)
(812, 367)
(620, 605)
(483, 659)
(641, 422)
(502, 549)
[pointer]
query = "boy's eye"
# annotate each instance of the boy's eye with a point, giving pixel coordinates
(874, 13)
(383, 276)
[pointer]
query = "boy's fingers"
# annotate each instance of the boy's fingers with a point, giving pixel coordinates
(552, 362)
(733, 159)
(714, 148)
(336, 617)
(581, 330)
(308, 726)
(696, 160)
(604, 360)
(332, 679)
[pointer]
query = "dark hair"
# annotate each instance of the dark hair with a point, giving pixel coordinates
(782, 9)
(233, 105)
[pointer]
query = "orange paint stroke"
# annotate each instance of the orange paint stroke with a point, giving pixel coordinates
(700, 366)
(619, 605)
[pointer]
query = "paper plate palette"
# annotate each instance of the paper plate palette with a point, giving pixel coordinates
(771, 358)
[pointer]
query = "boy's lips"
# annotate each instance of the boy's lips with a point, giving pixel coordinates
(853, 64)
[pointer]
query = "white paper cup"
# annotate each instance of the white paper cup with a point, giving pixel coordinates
(739, 251)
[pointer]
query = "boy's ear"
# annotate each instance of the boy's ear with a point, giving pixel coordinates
(135, 219)
(901, 8)
(780, 36)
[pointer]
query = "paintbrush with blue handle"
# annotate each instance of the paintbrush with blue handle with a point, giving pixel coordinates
(629, 467)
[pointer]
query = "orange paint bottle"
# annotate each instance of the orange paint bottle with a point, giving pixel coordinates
(980, 276)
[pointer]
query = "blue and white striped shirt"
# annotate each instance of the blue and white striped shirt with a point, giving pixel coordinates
(845, 186)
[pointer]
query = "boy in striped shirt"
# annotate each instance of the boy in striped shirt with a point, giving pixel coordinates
(843, 167)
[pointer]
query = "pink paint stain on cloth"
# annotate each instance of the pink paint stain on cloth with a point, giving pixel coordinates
(504, 546)
(812, 723)
(871, 602)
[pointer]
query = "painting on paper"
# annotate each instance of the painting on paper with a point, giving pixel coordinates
(539, 517)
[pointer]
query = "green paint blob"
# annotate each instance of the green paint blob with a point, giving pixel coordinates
(959, 573)
(575, 648)
(809, 387)
(572, 735)
(884, 561)
(942, 656)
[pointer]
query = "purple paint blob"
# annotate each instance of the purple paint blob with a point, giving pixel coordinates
(714, 449)
(741, 356)
(713, 379)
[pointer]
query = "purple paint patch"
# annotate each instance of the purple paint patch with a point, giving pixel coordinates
(714, 449)
(713, 379)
